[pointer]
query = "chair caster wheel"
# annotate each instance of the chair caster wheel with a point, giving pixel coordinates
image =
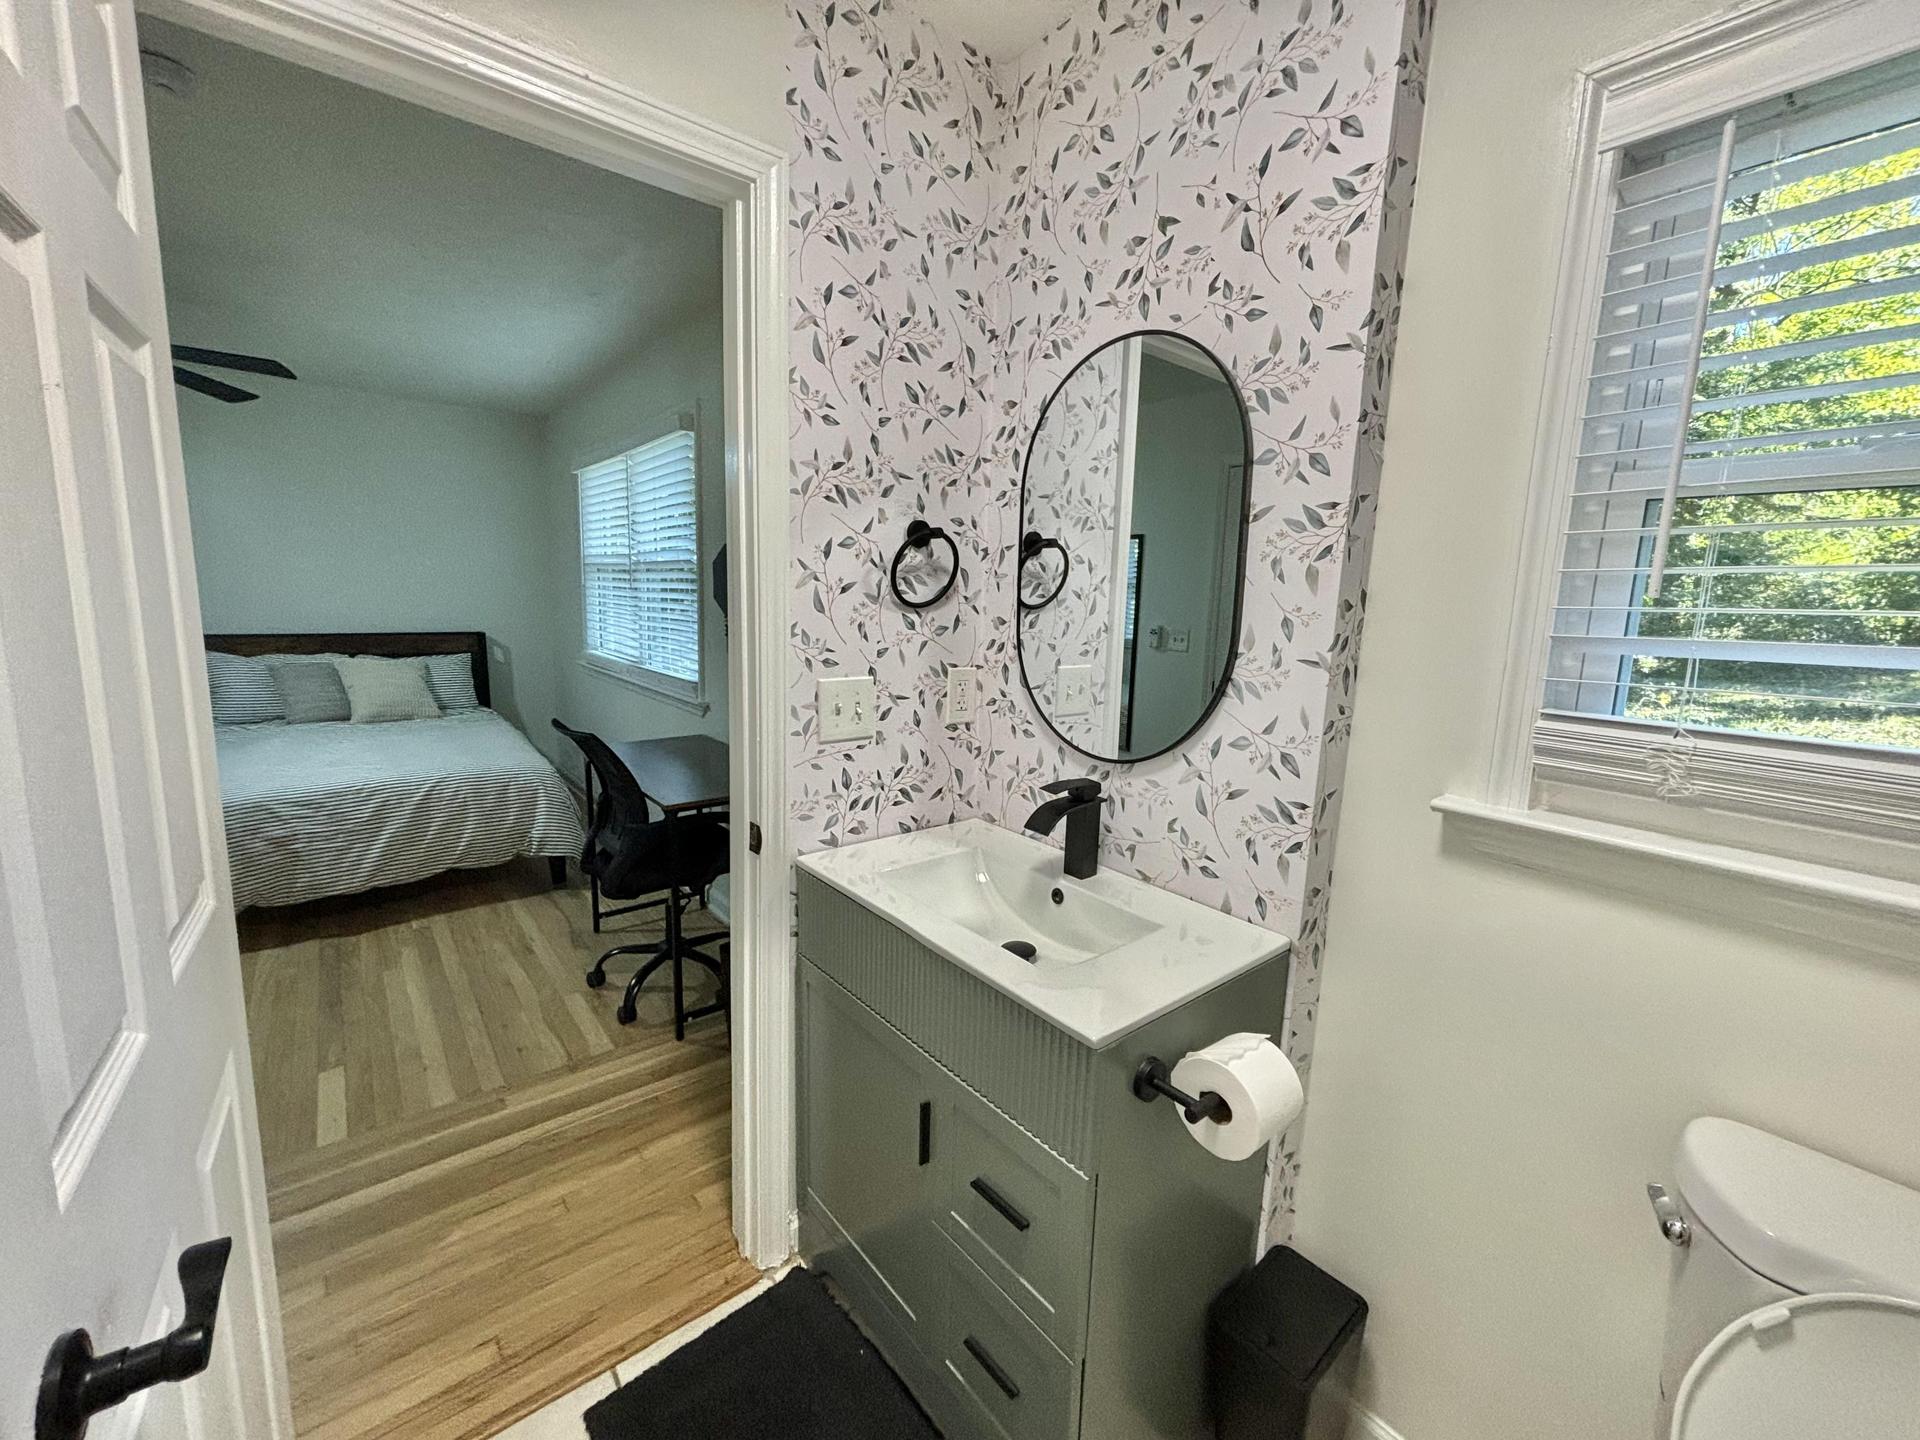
(627, 1014)
(596, 977)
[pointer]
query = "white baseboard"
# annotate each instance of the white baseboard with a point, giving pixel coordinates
(1368, 1426)
(1336, 1413)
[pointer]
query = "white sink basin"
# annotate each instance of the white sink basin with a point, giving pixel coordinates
(1107, 954)
(1019, 900)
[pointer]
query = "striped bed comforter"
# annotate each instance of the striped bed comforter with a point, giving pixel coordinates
(335, 808)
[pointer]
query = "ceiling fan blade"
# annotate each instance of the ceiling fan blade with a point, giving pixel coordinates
(228, 360)
(207, 385)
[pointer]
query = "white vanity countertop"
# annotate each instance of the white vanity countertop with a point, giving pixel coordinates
(1186, 949)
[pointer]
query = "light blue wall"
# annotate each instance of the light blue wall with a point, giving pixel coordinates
(322, 508)
(679, 371)
(317, 508)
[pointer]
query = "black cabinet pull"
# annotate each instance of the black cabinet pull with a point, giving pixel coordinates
(77, 1384)
(992, 1367)
(926, 1131)
(1000, 1202)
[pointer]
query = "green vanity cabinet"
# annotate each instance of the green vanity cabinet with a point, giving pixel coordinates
(866, 1132)
(1031, 1247)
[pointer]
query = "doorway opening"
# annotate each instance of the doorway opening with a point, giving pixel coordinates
(465, 407)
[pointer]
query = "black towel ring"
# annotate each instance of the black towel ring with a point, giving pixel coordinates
(920, 535)
(1032, 546)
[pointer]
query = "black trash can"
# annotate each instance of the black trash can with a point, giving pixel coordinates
(1271, 1335)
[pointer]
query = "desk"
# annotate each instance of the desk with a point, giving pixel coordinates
(679, 773)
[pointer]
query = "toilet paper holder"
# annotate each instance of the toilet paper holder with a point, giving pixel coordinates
(1153, 1079)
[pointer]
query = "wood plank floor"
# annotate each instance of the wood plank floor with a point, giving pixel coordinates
(483, 1189)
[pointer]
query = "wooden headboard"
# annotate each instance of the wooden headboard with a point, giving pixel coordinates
(471, 643)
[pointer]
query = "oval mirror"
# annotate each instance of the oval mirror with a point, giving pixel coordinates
(1133, 521)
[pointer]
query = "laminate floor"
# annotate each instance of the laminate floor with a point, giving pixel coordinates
(483, 1189)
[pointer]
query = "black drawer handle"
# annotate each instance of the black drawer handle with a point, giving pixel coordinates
(992, 1367)
(1000, 1202)
(926, 1131)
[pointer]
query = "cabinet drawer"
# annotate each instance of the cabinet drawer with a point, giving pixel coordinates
(1007, 1380)
(1019, 1212)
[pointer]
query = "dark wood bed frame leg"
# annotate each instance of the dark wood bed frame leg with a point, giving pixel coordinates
(557, 866)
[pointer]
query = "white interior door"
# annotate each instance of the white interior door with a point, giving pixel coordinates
(126, 1102)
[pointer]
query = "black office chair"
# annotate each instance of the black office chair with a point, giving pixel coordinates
(630, 856)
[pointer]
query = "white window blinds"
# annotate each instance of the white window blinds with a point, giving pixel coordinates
(1743, 547)
(640, 558)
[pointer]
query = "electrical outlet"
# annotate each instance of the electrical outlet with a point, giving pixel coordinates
(1178, 641)
(845, 707)
(962, 682)
(1073, 690)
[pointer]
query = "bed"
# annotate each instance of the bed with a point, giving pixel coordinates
(334, 808)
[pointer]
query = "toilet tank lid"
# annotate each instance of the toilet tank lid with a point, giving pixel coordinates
(1802, 1219)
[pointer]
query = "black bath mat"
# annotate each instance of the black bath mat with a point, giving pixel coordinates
(787, 1366)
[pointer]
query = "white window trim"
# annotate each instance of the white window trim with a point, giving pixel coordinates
(654, 684)
(688, 696)
(1695, 75)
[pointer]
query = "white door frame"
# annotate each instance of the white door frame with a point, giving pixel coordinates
(401, 49)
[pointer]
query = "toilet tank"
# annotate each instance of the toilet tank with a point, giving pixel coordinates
(1770, 1219)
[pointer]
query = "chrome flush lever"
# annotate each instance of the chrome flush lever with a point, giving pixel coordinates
(1666, 1210)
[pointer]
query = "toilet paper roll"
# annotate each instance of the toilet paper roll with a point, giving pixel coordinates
(1258, 1083)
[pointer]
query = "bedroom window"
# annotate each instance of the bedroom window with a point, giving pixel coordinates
(640, 564)
(1728, 648)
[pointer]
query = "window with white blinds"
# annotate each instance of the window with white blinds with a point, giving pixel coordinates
(640, 560)
(1742, 551)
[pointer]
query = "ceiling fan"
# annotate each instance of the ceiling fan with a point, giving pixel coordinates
(223, 360)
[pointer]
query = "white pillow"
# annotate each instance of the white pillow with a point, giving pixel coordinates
(380, 690)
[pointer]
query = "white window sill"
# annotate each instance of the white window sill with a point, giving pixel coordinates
(642, 680)
(1818, 901)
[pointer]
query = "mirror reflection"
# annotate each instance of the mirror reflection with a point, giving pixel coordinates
(1133, 514)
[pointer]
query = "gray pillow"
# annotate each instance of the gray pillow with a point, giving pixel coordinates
(450, 678)
(310, 691)
(242, 689)
(379, 690)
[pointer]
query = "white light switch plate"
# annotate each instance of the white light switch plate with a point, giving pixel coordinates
(846, 708)
(962, 684)
(1073, 690)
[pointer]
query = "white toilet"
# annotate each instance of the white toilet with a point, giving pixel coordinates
(1795, 1308)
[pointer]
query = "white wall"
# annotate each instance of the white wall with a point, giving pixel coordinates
(724, 60)
(1502, 1059)
(679, 371)
(1186, 442)
(316, 508)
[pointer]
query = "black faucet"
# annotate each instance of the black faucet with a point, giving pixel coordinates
(1079, 801)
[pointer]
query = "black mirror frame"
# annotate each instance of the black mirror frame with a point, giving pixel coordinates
(1020, 612)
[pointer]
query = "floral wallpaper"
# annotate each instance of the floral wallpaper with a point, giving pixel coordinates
(1238, 171)
(893, 353)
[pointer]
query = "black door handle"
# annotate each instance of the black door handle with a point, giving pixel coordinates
(76, 1384)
